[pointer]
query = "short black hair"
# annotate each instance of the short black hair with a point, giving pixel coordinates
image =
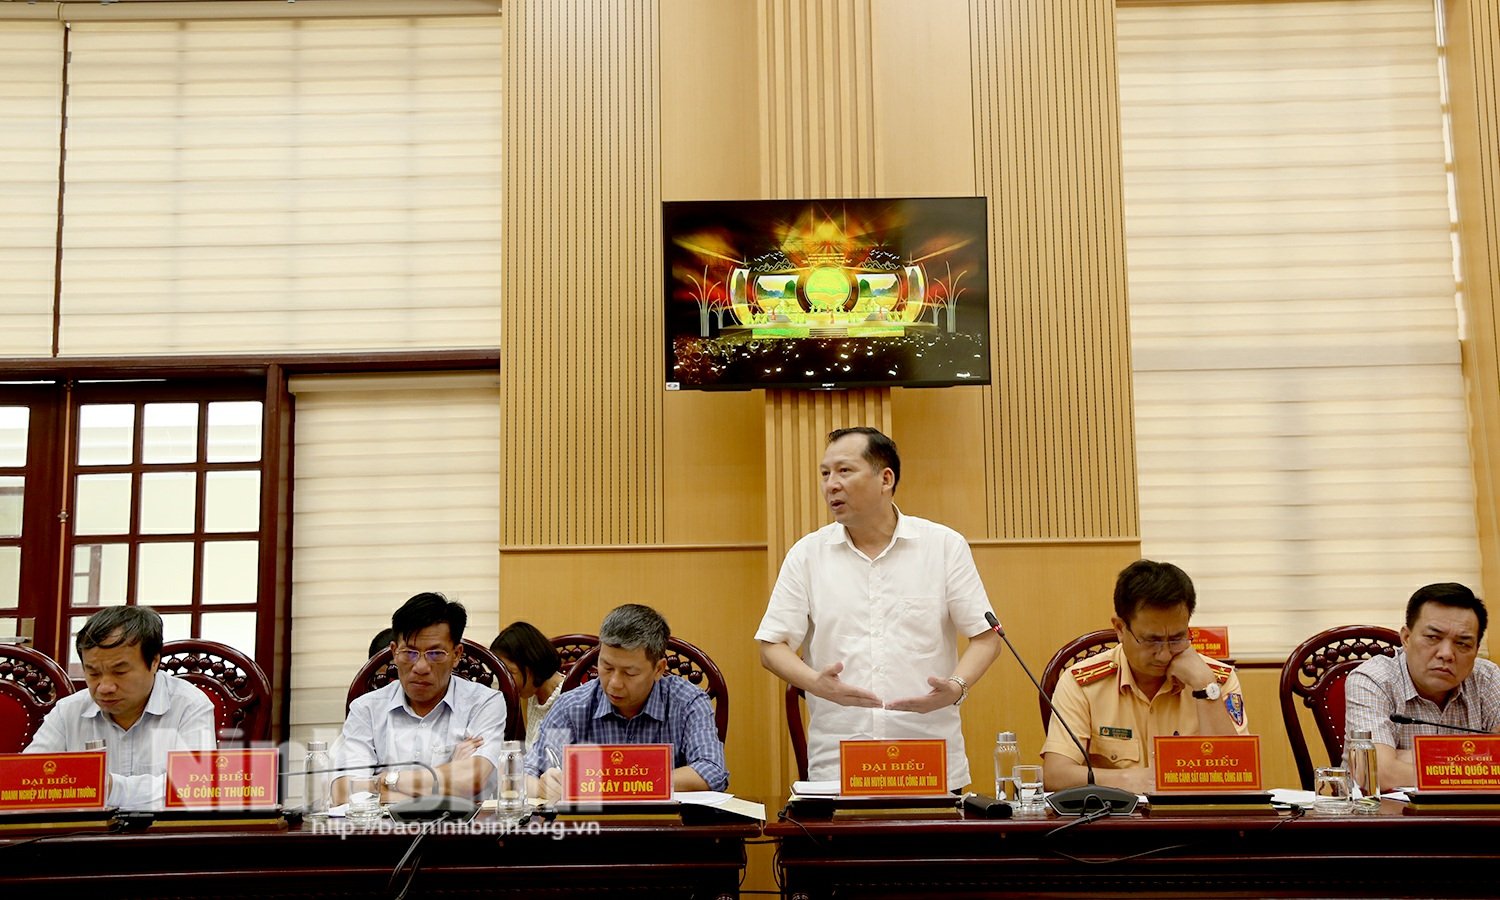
(880, 451)
(636, 626)
(382, 640)
(428, 609)
(1159, 585)
(523, 644)
(117, 626)
(1446, 593)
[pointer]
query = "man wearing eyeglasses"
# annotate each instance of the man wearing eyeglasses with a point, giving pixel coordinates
(1152, 683)
(451, 724)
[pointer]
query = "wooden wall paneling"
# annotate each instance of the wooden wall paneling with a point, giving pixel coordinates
(1047, 147)
(816, 101)
(581, 321)
(708, 598)
(1473, 55)
(1045, 593)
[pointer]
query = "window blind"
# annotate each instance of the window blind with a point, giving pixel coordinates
(31, 56)
(396, 491)
(287, 185)
(1300, 417)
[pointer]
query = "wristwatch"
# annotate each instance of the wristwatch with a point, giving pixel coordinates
(1212, 692)
(391, 780)
(963, 689)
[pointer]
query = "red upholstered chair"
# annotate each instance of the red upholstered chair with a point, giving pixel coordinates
(797, 728)
(683, 659)
(30, 685)
(1075, 651)
(239, 689)
(1315, 672)
(477, 664)
(571, 648)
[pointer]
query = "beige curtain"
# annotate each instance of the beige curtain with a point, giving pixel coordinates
(1300, 415)
(282, 185)
(31, 55)
(397, 491)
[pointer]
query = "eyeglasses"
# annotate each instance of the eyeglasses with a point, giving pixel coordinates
(1176, 644)
(409, 656)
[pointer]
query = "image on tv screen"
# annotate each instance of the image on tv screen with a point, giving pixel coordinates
(826, 294)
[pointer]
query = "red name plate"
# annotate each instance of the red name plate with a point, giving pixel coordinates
(1454, 763)
(617, 772)
(52, 780)
(1198, 763)
(1210, 640)
(893, 768)
(220, 778)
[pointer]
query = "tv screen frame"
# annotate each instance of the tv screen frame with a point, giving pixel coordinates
(826, 294)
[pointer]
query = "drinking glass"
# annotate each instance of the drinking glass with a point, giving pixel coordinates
(1332, 791)
(364, 799)
(1028, 781)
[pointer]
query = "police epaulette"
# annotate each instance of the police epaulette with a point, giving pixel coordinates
(1221, 670)
(1086, 675)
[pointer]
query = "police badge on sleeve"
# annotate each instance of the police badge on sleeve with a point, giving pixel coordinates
(1235, 703)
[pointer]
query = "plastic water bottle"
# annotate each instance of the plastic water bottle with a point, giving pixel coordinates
(315, 782)
(1007, 755)
(1360, 760)
(510, 793)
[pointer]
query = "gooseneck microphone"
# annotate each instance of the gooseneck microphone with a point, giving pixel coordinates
(1091, 798)
(1399, 719)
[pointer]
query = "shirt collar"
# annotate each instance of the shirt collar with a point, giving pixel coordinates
(655, 707)
(157, 704)
(398, 698)
(905, 530)
(1127, 676)
(1409, 687)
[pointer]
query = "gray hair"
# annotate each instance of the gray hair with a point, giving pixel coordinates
(119, 626)
(634, 626)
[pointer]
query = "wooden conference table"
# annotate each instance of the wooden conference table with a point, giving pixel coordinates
(1390, 854)
(1387, 855)
(623, 858)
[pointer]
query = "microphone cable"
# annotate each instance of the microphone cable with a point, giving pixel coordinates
(414, 857)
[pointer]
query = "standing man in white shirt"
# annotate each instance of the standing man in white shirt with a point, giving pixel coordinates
(875, 601)
(450, 724)
(139, 711)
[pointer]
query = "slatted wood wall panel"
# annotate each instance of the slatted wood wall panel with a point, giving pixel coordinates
(1059, 433)
(817, 109)
(817, 140)
(797, 427)
(581, 322)
(1473, 40)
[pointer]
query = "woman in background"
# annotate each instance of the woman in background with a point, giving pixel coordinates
(534, 666)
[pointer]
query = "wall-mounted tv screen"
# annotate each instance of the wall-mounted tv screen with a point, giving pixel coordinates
(825, 294)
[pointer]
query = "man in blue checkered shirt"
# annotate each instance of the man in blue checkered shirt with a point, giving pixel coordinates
(633, 701)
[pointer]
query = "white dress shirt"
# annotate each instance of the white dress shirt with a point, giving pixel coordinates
(892, 621)
(383, 728)
(178, 716)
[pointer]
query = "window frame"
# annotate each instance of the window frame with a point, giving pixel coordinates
(45, 380)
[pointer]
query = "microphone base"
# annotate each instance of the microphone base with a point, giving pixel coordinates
(1092, 798)
(434, 807)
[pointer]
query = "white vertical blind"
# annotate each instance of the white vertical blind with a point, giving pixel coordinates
(31, 57)
(286, 185)
(396, 491)
(1300, 418)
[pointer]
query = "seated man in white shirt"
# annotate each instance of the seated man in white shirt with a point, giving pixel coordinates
(138, 711)
(428, 717)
